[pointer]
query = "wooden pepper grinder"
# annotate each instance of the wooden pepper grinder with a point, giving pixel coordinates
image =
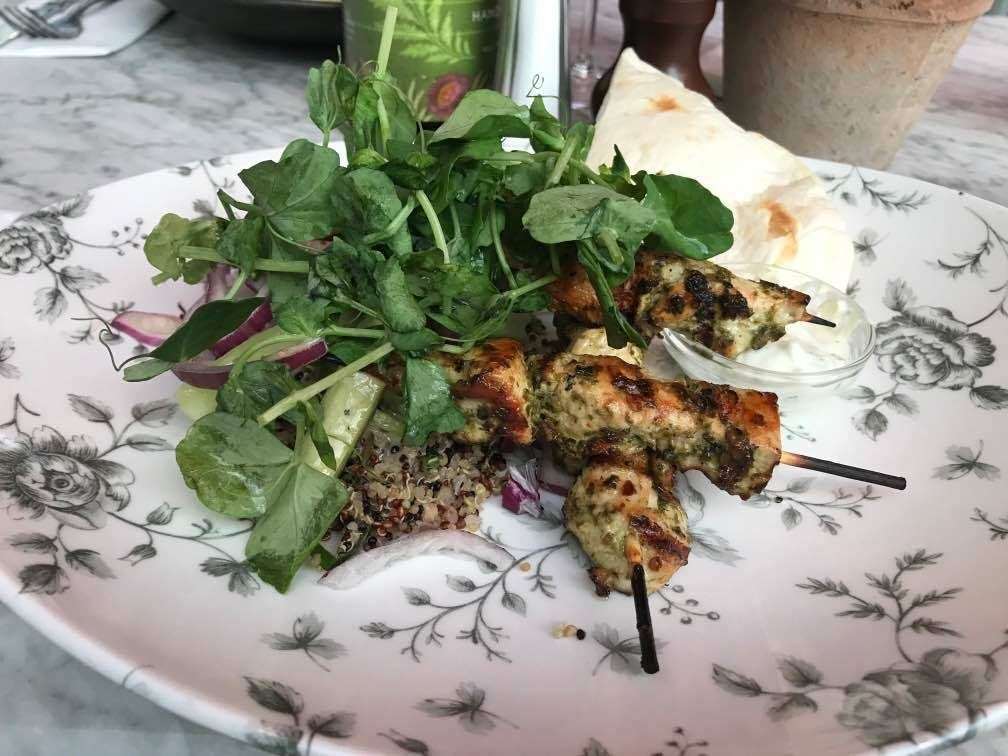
(666, 34)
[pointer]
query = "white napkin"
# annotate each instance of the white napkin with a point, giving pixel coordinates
(107, 29)
(7, 217)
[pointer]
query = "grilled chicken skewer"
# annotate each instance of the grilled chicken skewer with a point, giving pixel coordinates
(578, 401)
(731, 435)
(698, 299)
(629, 435)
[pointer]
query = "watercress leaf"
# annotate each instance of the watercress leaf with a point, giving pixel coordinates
(428, 406)
(351, 270)
(617, 176)
(364, 127)
(547, 131)
(146, 369)
(398, 305)
(255, 388)
(349, 350)
(302, 505)
(231, 463)
(283, 286)
(294, 193)
(584, 133)
(204, 327)
(533, 301)
(302, 316)
(408, 166)
(317, 433)
(366, 158)
(415, 341)
(455, 174)
(365, 201)
(525, 178)
(618, 328)
(331, 94)
(324, 108)
(483, 114)
(690, 220)
(570, 213)
(166, 239)
(242, 242)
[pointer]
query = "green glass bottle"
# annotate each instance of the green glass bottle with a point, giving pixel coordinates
(441, 48)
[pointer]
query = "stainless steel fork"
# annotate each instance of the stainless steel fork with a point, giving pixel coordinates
(55, 19)
(25, 22)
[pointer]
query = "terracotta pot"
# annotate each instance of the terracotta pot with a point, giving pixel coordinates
(839, 79)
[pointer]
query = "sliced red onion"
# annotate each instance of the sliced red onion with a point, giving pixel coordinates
(218, 282)
(553, 488)
(460, 543)
(261, 317)
(302, 354)
(150, 328)
(521, 492)
(202, 373)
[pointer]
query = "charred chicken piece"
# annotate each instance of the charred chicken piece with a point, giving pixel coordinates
(698, 299)
(731, 435)
(491, 384)
(616, 514)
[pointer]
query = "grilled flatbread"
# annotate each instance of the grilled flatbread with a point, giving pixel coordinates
(783, 215)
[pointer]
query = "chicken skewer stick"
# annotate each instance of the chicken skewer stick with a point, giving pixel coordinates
(698, 299)
(645, 632)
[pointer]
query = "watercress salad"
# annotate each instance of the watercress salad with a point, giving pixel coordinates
(425, 240)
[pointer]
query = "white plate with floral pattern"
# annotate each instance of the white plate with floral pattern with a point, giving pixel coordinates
(819, 617)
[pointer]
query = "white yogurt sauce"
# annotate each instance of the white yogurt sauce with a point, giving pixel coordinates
(808, 348)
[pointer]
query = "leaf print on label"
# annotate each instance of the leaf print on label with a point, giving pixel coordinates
(965, 462)
(468, 707)
(306, 636)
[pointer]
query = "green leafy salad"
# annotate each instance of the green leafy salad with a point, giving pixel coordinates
(422, 241)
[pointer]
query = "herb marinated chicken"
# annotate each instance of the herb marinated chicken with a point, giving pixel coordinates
(698, 299)
(577, 401)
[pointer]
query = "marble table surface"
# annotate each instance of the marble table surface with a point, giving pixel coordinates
(183, 93)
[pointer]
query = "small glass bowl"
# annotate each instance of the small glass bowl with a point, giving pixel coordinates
(847, 347)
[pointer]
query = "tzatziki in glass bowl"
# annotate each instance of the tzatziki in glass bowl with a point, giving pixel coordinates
(809, 362)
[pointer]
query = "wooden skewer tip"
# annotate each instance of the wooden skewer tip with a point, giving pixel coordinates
(844, 471)
(816, 320)
(645, 631)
